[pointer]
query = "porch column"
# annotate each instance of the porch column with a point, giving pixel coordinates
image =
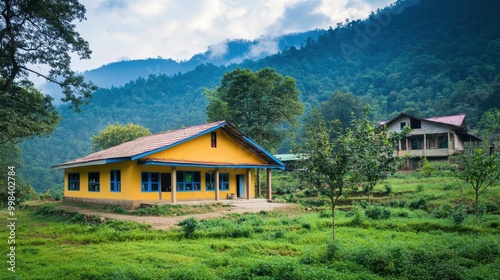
(216, 184)
(425, 144)
(174, 185)
(249, 181)
(449, 146)
(269, 188)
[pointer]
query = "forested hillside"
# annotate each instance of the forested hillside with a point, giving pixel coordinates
(428, 58)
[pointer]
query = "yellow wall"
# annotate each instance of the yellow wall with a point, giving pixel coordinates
(198, 149)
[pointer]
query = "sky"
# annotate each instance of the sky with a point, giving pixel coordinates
(137, 29)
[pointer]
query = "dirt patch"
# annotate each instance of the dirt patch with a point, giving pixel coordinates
(233, 206)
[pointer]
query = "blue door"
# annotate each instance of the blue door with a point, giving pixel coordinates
(240, 186)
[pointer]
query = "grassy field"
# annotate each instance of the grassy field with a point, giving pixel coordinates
(421, 228)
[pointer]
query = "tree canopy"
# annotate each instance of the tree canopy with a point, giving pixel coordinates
(34, 34)
(116, 134)
(260, 103)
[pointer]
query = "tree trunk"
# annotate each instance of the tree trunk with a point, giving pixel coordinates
(477, 205)
(333, 221)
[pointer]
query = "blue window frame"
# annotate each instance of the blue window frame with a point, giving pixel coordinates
(210, 181)
(188, 181)
(116, 181)
(224, 181)
(94, 182)
(150, 181)
(73, 181)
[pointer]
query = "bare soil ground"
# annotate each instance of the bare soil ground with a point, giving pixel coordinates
(162, 223)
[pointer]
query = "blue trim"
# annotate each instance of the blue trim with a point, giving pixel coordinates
(159, 163)
(264, 151)
(112, 160)
(177, 143)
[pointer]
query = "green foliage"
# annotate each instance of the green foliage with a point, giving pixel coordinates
(489, 124)
(419, 203)
(25, 113)
(480, 169)
(116, 134)
(23, 50)
(189, 226)
(378, 212)
(341, 106)
(426, 168)
(262, 104)
(459, 215)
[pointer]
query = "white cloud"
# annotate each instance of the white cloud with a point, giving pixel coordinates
(179, 29)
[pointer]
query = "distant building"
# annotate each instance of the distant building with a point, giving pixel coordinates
(434, 138)
(205, 162)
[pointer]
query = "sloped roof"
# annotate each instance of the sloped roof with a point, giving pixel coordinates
(456, 120)
(154, 143)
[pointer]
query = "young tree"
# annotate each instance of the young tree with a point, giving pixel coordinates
(374, 152)
(328, 159)
(481, 169)
(34, 34)
(116, 134)
(262, 104)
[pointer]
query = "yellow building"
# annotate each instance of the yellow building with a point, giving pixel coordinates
(205, 162)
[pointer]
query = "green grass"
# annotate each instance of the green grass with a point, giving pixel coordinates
(409, 244)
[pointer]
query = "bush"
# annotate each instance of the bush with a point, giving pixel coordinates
(361, 203)
(358, 217)
(459, 215)
(443, 211)
(189, 226)
(378, 213)
(388, 189)
(420, 188)
(426, 168)
(419, 203)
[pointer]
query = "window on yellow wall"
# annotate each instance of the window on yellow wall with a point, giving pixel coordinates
(210, 181)
(223, 181)
(94, 182)
(116, 181)
(188, 181)
(213, 139)
(150, 181)
(73, 181)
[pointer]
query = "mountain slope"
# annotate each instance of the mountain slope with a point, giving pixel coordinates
(429, 58)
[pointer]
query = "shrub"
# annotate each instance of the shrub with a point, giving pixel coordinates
(419, 203)
(189, 226)
(426, 168)
(388, 189)
(361, 203)
(420, 188)
(443, 211)
(358, 217)
(306, 225)
(332, 249)
(378, 213)
(459, 215)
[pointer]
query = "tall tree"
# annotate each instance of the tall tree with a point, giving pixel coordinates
(116, 134)
(263, 104)
(39, 34)
(342, 106)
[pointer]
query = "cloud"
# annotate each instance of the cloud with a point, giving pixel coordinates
(301, 16)
(179, 29)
